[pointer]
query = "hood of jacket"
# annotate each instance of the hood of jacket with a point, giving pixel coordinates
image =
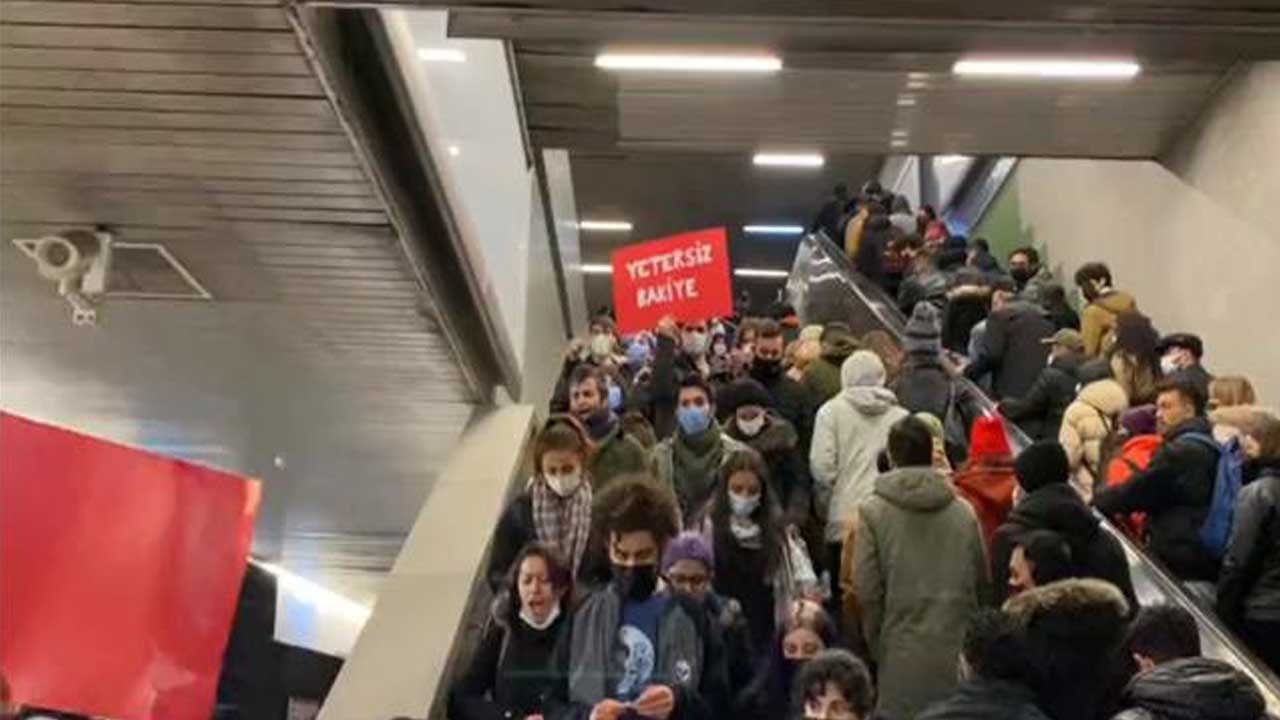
(1081, 613)
(838, 346)
(1116, 302)
(862, 379)
(920, 489)
(1196, 689)
(1056, 507)
(993, 480)
(1023, 307)
(1105, 396)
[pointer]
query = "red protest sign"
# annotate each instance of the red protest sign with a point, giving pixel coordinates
(121, 573)
(684, 275)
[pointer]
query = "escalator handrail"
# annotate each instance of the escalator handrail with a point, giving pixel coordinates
(893, 321)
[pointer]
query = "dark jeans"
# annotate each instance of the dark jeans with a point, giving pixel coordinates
(1263, 638)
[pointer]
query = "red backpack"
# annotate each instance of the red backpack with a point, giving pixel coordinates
(1119, 467)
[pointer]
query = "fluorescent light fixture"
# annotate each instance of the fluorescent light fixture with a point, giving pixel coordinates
(689, 63)
(595, 269)
(1047, 68)
(898, 142)
(605, 225)
(773, 229)
(810, 160)
(454, 151)
(900, 133)
(949, 159)
(761, 273)
(449, 55)
(316, 595)
(906, 100)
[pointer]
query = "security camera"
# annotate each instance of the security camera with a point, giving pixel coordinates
(78, 261)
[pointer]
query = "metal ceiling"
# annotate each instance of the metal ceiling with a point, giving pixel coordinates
(319, 366)
(862, 79)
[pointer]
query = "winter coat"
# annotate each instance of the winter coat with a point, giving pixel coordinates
(615, 455)
(688, 658)
(822, 376)
(779, 445)
(1074, 633)
(1034, 291)
(1058, 507)
(849, 432)
(877, 233)
(515, 530)
(988, 488)
(514, 671)
(985, 699)
(1099, 319)
(1039, 412)
(1249, 586)
(1086, 423)
(919, 572)
(689, 491)
(924, 385)
(1175, 492)
(964, 310)
(928, 284)
(1194, 688)
(726, 618)
(791, 401)
(1012, 350)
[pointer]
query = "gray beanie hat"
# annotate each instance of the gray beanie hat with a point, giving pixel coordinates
(924, 331)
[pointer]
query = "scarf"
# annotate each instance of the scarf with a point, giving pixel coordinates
(563, 523)
(695, 464)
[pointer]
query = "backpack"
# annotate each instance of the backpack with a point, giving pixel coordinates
(1216, 530)
(1121, 460)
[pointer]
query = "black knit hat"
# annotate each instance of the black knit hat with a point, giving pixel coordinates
(1043, 463)
(744, 392)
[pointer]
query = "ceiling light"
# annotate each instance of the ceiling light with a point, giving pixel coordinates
(773, 229)
(1047, 68)
(917, 85)
(906, 100)
(690, 63)
(595, 269)
(948, 159)
(898, 142)
(441, 55)
(900, 132)
(605, 225)
(811, 160)
(761, 273)
(454, 151)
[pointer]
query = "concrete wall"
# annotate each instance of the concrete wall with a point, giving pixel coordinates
(1193, 263)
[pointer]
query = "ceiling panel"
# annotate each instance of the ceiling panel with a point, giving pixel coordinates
(318, 366)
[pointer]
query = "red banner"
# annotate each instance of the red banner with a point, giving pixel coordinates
(684, 275)
(121, 570)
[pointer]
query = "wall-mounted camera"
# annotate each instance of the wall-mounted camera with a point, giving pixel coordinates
(78, 261)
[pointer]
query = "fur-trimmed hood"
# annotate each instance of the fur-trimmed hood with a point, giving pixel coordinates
(1079, 610)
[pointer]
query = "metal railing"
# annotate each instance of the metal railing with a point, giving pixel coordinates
(824, 286)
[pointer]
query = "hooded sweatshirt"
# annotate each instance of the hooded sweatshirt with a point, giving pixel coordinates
(920, 573)
(849, 432)
(1099, 319)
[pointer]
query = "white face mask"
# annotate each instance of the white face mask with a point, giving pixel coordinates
(1168, 364)
(551, 617)
(601, 344)
(565, 485)
(752, 427)
(695, 343)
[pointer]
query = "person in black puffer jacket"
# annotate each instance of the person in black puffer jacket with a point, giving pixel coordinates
(1249, 587)
(1051, 503)
(753, 422)
(1039, 412)
(1174, 682)
(1177, 487)
(514, 668)
(923, 385)
(1011, 348)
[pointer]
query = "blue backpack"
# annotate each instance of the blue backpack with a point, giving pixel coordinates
(1215, 533)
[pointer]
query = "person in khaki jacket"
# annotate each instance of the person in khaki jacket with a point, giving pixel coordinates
(1098, 319)
(920, 571)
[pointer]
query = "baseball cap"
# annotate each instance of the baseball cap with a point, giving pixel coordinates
(1068, 338)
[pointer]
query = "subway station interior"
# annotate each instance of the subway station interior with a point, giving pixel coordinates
(336, 250)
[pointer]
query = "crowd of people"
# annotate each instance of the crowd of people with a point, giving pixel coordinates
(749, 517)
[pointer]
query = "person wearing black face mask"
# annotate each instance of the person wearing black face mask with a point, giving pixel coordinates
(790, 398)
(1029, 275)
(615, 453)
(636, 649)
(807, 631)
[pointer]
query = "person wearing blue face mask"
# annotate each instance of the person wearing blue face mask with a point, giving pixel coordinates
(688, 462)
(590, 402)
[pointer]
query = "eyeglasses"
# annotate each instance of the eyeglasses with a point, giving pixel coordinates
(695, 582)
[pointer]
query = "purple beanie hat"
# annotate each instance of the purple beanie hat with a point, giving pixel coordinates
(688, 545)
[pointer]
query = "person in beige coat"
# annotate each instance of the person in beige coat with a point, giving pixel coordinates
(1087, 422)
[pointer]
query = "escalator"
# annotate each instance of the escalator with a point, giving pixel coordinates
(824, 287)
